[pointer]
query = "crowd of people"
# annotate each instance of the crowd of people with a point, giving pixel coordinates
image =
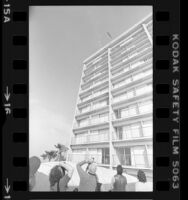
(61, 174)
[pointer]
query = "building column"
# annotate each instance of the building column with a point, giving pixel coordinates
(147, 33)
(111, 128)
(147, 156)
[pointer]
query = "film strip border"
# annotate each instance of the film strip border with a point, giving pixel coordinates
(15, 102)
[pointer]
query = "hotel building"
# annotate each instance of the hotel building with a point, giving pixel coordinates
(113, 117)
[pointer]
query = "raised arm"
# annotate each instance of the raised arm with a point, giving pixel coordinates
(79, 167)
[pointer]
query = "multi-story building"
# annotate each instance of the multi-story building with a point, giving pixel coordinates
(113, 117)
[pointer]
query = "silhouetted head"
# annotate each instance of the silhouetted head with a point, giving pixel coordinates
(141, 176)
(119, 169)
(56, 173)
(34, 164)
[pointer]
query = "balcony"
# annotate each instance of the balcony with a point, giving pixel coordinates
(133, 58)
(133, 86)
(90, 138)
(89, 84)
(133, 77)
(94, 86)
(131, 47)
(124, 102)
(140, 161)
(132, 68)
(91, 122)
(128, 39)
(100, 159)
(96, 67)
(130, 50)
(92, 97)
(95, 60)
(95, 73)
(134, 110)
(91, 110)
(133, 134)
(132, 64)
(133, 54)
(133, 113)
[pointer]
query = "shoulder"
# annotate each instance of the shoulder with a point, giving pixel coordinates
(124, 177)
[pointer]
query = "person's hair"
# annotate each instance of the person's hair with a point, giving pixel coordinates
(34, 164)
(119, 169)
(55, 175)
(141, 176)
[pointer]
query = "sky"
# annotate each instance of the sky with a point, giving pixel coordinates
(60, 39)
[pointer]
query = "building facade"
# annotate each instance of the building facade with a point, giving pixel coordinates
(114, 113)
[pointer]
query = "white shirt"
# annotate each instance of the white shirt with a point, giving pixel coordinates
(148, 186)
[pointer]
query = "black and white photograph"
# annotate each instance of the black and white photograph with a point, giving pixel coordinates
(91, 98)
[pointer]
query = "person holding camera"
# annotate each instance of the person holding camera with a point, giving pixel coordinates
(88, 178)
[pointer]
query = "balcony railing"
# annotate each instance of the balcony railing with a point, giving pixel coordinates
(134, 48)
(90, 123)
(94, 85)
(140, 160)
(96, 66)
(138, 64)
(134, 112)
(129, 48)
(133, 54)
(129, 40)
(93, 96)
(98, 158)
(91, 108)
(130, 94)
(89, 84)
(137, 56)
(133, 160)
(133, 78)
(91, 138)
(94, 77)
(122, 66)
(129, 134)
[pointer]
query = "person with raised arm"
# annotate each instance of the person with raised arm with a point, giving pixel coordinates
(59, 176)
(88, 179)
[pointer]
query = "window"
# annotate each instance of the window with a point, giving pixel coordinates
(105, 156)
(143, 89)
(126, 132)
(99, 104)
(130, 94)
(124, 155)
(95, 119)
(145, 107)
(103, 117)
(94, 132)
(139, 156)
(81, 139)
(135, 130)
(132, 110)
(120, 133)
(147, 127)
(124, 113)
